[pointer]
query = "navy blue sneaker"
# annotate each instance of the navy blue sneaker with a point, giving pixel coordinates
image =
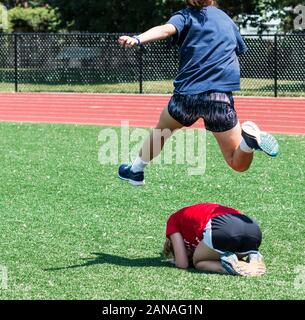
(135, 178)
(259, 140)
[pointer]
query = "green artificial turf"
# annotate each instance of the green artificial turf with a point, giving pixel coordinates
(70, 229)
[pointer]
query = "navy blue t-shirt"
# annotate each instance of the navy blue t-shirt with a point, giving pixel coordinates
(209, 43)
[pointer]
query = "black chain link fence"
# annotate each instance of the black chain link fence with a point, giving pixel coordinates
(274, 65)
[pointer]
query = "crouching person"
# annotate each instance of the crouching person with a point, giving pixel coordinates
(214, 238)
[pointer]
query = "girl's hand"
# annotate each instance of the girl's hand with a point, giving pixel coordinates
(127, 42)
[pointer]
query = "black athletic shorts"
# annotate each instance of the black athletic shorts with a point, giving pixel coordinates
(235, 233)
(215, 108)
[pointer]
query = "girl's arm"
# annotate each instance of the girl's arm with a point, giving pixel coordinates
(157, 33)
(180, 252)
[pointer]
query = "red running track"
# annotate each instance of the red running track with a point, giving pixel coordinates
(278, 115)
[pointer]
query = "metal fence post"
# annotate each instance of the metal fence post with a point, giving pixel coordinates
(275, 66)
(16, 62)
(141, 51)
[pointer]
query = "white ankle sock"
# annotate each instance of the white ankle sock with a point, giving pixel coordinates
(138, 165)
(244, 147)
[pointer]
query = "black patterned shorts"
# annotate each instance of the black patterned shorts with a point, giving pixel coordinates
(215, 108)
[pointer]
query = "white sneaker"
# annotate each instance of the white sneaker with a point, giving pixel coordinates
(259, 140)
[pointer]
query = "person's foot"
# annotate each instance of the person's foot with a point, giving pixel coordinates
(135, 178)
(256, 263)
(231, 264)
(259, 140)
(235, 267)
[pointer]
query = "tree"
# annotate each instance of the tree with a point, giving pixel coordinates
(139, 15)
(235, 7)
(39, 19)
(110, 15)
(24, 3)
(266, 10)
(129, 15)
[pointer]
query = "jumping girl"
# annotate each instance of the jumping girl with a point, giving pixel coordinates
(214, 238)
(209, 43)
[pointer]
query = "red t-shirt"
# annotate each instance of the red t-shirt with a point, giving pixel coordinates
(191, 221)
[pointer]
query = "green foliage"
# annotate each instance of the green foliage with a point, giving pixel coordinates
(40, 19)
(139, 15)
(266, 10)
(115, 15)
(24, 3)
(234, 7)
(129, 15)
(3, 18)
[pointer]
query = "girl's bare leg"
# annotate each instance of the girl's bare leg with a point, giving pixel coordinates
(206, 259)
(229, 143)
(155, 141)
